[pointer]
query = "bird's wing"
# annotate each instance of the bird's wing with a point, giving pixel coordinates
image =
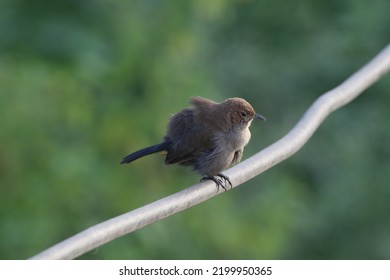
(187, 139)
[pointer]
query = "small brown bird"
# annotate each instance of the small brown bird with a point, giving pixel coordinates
(209, 136)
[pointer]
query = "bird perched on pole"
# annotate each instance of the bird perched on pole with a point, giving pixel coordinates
(209, 137)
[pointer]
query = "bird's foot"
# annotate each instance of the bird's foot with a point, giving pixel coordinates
(220, 180)
(226, 179)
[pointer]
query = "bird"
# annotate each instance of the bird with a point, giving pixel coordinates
(208, 136)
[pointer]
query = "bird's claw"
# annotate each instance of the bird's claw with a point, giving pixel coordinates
(226, 179)
(220, 180)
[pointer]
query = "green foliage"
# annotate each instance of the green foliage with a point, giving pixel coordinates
(83, 83)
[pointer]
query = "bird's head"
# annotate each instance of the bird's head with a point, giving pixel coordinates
(240, 112)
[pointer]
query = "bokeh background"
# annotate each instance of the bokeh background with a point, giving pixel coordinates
(83, 83)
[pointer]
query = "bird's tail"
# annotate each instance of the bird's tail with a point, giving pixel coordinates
(145, 151)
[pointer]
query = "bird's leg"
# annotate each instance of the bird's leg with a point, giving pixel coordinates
(220, 180)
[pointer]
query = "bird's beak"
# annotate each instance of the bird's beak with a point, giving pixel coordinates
(260, 117)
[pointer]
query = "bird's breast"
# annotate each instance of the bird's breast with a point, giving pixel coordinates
(236, 139)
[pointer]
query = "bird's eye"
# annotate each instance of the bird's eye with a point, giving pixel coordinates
(243, 114)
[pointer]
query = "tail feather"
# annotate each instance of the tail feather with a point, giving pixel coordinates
(144, 152)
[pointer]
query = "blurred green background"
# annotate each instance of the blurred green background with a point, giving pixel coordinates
(83, 83)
